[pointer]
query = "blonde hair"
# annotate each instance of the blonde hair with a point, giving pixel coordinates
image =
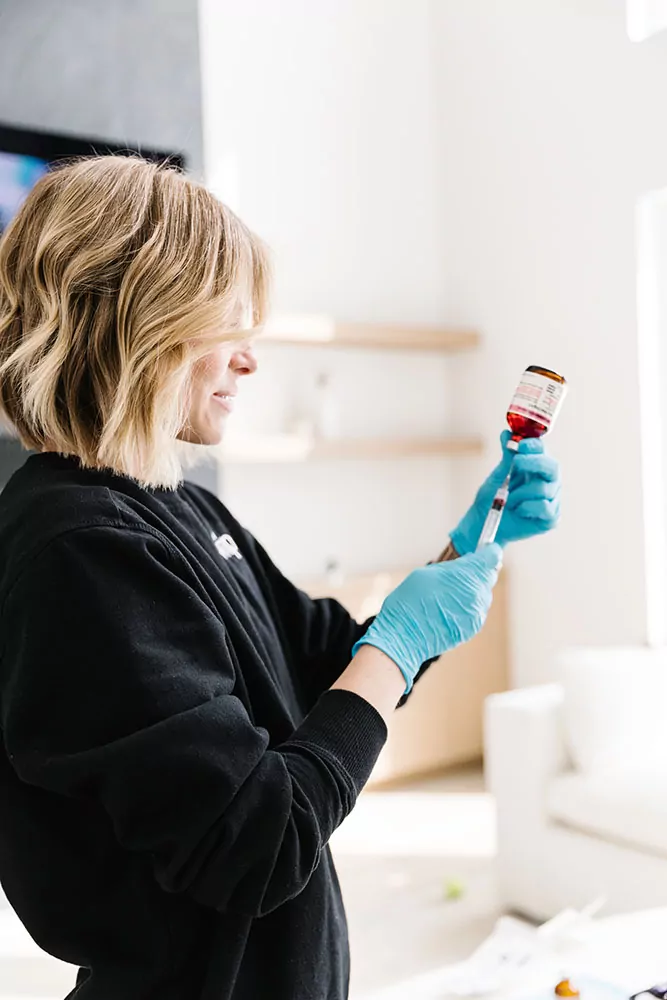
(116, 275)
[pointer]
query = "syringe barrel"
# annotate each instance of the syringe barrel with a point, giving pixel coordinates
(493, 518)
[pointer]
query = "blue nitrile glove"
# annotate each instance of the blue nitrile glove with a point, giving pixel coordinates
(434, 609)
(533, 504)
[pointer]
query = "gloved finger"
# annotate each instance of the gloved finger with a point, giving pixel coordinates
(543, 512)
(498, 474)
(536, 466)
(531, 446)
(488, 558)
(535, 489)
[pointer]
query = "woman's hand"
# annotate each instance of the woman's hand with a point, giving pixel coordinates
(434, 609)
(533, 504)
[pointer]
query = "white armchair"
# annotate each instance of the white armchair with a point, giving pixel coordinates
(579, 772)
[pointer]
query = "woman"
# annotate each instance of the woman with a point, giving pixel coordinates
(182, 729)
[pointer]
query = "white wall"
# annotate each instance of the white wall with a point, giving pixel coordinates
(551, 123)
(463, 161)
(319, 129)
(652, 324)
(645, 18)
(319, 126)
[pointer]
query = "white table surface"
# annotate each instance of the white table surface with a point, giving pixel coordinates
(629, 951)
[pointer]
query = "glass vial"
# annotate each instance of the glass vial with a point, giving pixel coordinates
(535, 404)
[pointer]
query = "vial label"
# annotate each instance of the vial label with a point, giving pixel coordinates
(538, 398)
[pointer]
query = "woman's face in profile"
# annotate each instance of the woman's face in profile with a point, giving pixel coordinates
(214, 386)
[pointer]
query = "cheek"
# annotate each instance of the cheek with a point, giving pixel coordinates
(218, 364)
(209, 374)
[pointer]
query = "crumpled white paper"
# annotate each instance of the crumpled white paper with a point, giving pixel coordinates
(515, 956)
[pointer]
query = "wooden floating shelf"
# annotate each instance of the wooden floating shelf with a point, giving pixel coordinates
(322, 331)
(291, 448)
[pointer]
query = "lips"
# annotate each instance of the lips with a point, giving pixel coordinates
(225, 399)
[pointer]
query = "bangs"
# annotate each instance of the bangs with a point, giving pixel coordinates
(242, 277)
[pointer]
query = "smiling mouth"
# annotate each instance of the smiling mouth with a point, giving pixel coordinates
(225, 400)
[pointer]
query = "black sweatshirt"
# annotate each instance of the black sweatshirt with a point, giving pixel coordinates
(172, 764)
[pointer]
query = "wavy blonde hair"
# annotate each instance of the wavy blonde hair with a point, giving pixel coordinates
(116, 276)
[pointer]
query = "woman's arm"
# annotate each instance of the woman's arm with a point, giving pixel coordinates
(119, 686)
(448, 554)
(375, 678)
(319, 633)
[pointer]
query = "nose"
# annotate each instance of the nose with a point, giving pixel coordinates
(243, 361)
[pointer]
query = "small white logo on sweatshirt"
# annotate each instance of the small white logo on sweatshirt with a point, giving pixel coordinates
(226, 546)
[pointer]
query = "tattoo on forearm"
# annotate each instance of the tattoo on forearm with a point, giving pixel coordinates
(448, 554)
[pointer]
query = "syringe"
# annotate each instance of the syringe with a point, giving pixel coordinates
(490, 529)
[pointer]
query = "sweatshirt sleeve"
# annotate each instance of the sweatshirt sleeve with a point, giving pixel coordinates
(118, 686)
(320, 632)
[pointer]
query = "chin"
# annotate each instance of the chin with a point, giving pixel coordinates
(216, 433)
(207, 436)
(211, 438)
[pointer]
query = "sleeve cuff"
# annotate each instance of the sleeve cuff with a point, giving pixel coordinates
(420, 673)
(347, 727)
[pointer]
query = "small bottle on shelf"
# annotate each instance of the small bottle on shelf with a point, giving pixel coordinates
(333, 573)
(326, 415)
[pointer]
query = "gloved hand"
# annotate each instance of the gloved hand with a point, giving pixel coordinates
(434, 609)
(533, 504)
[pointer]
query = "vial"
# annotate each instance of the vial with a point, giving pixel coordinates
(531, 414)
(535, 404)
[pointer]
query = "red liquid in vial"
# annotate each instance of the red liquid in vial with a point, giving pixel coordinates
(535, 403)
(534, 407)
(524, 427)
